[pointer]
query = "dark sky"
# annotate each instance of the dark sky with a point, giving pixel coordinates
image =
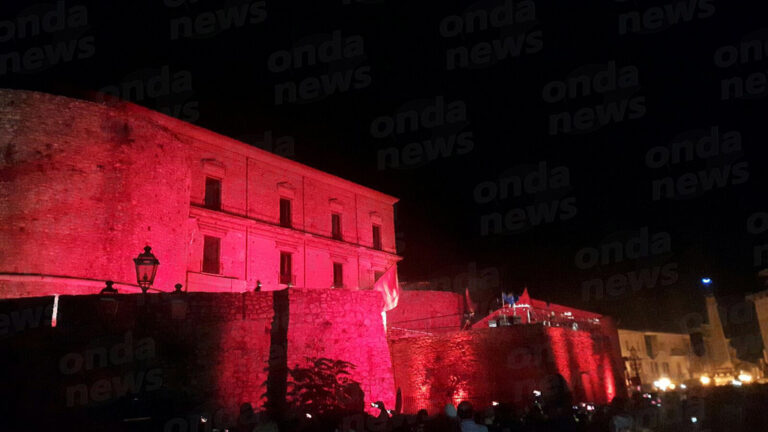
(658, 65)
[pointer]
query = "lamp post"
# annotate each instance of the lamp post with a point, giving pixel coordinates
(146, 268)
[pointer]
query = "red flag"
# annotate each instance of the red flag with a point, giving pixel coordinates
(389, 288)
(468, 299)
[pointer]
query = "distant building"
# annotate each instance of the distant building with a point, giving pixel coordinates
(655, 355)
(716, 356)
(704, 355)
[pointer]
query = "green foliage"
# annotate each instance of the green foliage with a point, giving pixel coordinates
(322, 387)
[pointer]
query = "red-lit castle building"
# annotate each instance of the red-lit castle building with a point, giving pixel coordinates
(85, 186)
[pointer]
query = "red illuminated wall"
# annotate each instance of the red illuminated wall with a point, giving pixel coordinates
(504, 364)
(85, 186)
(253, 183)
(345, 326)
(211, 350)
(434, 311)
(498, 364)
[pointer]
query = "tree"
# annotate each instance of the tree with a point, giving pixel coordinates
(323, 387)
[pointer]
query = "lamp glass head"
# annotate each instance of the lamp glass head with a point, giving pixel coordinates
(146, 268)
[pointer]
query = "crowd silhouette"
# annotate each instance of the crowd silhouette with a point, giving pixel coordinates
(343, 410)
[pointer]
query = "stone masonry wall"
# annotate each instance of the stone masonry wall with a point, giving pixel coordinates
(315, 330)
(176, 357)
(504, 364)
(83, 188)
(434, 311)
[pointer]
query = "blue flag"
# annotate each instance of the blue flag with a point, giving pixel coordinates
(510, 298)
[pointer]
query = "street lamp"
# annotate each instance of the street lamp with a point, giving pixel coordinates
(146, 268)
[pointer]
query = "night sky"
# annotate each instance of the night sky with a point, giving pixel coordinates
(663, 72)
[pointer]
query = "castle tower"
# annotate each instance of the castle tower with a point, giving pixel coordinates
(718, 346)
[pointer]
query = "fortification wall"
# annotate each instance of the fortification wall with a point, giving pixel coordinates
(434, 311)
(504, 364)
(177, 357)
(83, 188)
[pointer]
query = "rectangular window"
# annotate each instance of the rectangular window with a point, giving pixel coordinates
(336, 226)
(286, 267)
(211, 257)
(285, 212)
(377, 237)
(338, 275)
(665, 368)
(212, 193)
(649, 343)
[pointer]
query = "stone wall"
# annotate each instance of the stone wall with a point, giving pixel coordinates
(505, 364)
(345, 325)
(176, 357)
(83, 188)
(434, 311)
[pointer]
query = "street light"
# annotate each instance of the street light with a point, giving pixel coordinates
(146, 268)
(706, 280)
(663, 384)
